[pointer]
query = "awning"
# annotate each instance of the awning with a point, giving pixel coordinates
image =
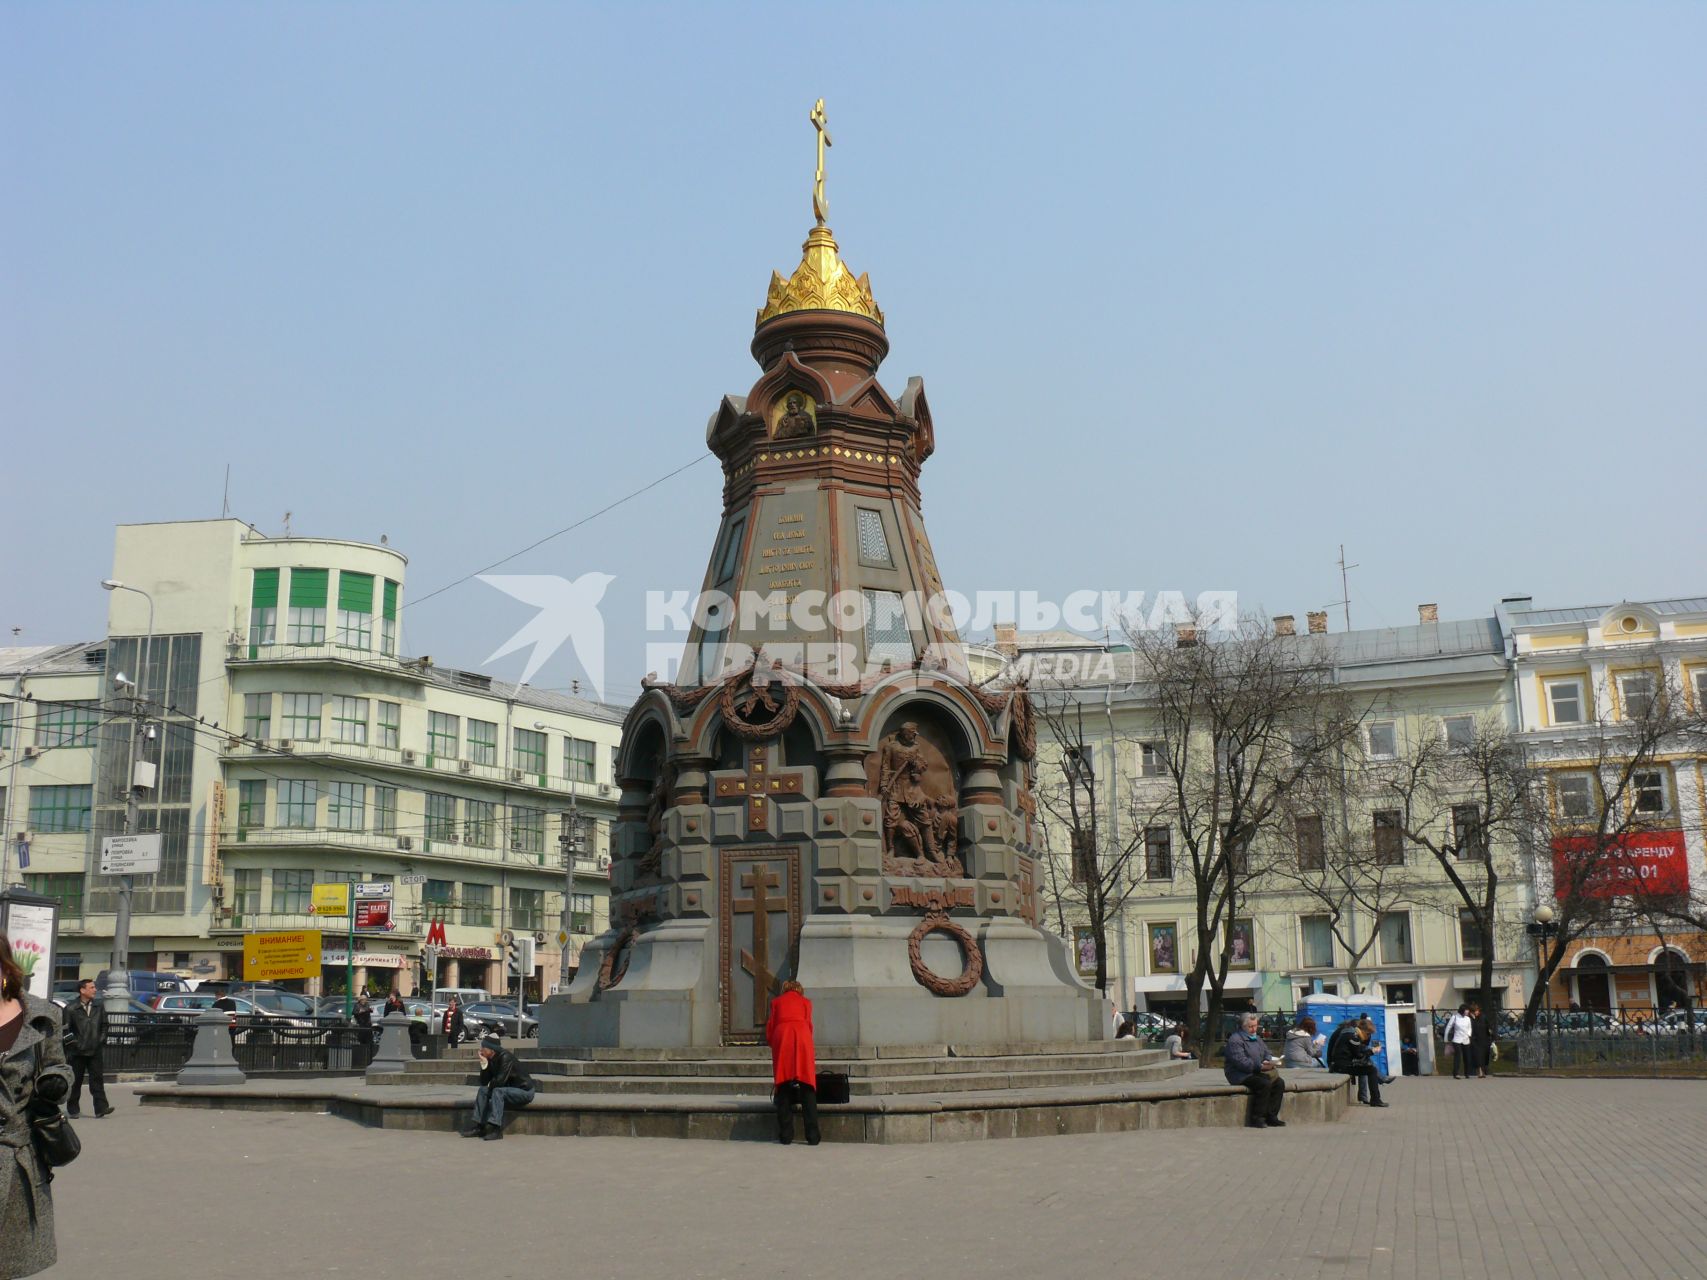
(1160, 983)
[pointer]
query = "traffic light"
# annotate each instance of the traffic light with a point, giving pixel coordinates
(521, 956)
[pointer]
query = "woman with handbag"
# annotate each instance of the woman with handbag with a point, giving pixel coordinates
(34, 1080)
(794, 1062)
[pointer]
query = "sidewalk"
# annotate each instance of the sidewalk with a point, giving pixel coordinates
(1499, 1178)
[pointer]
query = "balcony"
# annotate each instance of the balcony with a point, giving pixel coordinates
(413, 846)
(601, 797)
(327, 656)
(333, 927)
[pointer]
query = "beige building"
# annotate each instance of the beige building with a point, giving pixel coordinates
(296, 744)
(1434, 680)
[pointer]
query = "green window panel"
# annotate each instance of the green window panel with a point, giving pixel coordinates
(530, 751)
(66, 724)
(59, 809)
(65, 888)
(390, 607)
(308, 588)
(477, 904)
(355, 592)
(266, 591)
(251, 804)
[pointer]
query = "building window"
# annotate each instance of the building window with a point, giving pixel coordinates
(301, 720)
(1394, 928)
(527, 830)
(257, 716)
(580, 760)
(1699, 676)
(527, 909)
(1152, 760)
(245, 893)
(731, 550)
(293, 891)
(1317, 933)
(297, 801)
(66, 724)
(483, 742)
(1158, 854)
(59, 809)
(1469, 936)
(1565, 701)
(477, 904)
(388, 620)
(436, 897)
(390, 725)
(65, 888)
(8, 712)
(441, 816)
(1311, 852)
(443, 732)
(479, 822)
(347, 807)
(873, 545)
(1389, 832)
(1237, 843)
(264, 609)
(1460, 732)
(355, 610)
(1400, 992)
(1650, 795)
(581, 913)
(1383, 740)
(349, 720)
(306, 621)
(1575, 792)
(1636, 694)
(1469, 838)
(886, 633)
(385, 810)
(251, 804)
(530, 751)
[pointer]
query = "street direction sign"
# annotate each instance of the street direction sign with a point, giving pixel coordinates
(372, 889)
(130, 855)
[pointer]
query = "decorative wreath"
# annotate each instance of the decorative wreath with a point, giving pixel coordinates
(735, 715)
(1024, 726)
(610, 973)
(936, 984)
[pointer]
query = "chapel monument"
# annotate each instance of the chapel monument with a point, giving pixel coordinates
(821, 791)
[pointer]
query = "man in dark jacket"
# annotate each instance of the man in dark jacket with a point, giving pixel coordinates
(85, 1032)
(1248, 1063)
(503, 1083)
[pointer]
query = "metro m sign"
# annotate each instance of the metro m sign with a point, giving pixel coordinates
(1646, 863)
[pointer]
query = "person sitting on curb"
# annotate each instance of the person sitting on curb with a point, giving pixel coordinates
(1248, 1063)
(1175, 1044)
(503, 1084)
(1303, 1046)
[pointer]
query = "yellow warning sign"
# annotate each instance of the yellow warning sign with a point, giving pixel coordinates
(269, 957)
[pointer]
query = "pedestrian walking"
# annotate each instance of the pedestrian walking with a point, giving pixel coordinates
(1458, 1042)
(794, 1062)
(86, 1033)
(503, 1084)
(1481, 1041)
(33, 1077)
(455, 1025)
(1248, 1063)
(363, 1018)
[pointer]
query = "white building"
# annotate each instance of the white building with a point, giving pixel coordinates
(296, 745)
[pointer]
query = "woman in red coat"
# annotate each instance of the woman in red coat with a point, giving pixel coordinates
(794, 1065)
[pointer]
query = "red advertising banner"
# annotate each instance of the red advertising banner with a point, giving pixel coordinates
(1638, 862)
(375, 913)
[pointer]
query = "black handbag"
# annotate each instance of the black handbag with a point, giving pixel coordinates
(55, 1141)
(832, 1087)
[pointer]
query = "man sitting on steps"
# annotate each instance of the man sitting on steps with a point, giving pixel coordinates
(503, 1083)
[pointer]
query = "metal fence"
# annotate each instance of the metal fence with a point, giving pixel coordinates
(162, 1045)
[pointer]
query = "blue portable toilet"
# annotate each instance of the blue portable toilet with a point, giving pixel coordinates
(1333, 1012)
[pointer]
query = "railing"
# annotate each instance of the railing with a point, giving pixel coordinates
(283, 652)
(162, 1043)
(421, 761)
(449, 850)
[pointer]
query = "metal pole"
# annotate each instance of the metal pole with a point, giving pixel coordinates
(117, 995)
(350, 955)
(570, 840)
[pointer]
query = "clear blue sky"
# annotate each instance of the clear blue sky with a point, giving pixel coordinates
(1199, 291)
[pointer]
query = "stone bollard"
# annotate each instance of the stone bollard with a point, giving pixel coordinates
(394, 1053)
(211, 1060)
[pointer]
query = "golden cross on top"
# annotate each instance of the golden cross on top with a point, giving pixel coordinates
(820, 122)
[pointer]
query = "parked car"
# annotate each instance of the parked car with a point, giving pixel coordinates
(502, 1018)
(145, 984)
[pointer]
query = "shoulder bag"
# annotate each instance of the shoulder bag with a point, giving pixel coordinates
(55, 1141)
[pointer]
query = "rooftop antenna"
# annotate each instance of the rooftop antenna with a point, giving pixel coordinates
(225, 499)
(287, 524)
(1345, 587)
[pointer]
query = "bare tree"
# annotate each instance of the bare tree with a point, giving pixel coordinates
(1473, 806)
(1245, 720)
(1079, 802)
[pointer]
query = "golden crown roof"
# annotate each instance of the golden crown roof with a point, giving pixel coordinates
(822, 282)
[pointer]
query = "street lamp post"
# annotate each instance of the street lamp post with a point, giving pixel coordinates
(571, 843)
(117, 994)
(1541, 928)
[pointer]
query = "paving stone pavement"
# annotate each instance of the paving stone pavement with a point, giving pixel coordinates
(1498, 1178)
